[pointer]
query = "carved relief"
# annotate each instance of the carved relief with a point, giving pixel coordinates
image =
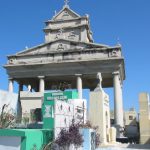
(59, 34)
(60, 47)
(72, 35)
(11, 61)
(65, 14)
(114, 53)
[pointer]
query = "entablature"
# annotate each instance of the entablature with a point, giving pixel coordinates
(70, 22)
(74, 54)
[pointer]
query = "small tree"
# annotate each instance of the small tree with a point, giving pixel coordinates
(70, 137)
(7, 117)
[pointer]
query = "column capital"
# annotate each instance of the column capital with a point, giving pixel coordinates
(115, 73)
(41, 77)
(10, 78)
(10, 85)
(78, 75)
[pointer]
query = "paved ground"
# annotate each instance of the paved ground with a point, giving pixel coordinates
(127, 147)
(118, 148)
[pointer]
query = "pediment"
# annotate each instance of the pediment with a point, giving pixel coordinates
(53, 47)
(58, 46)
(66, 13)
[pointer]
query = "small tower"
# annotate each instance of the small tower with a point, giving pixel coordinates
(66, 24)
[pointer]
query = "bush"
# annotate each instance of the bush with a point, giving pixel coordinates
(7, 117)
(71, 136)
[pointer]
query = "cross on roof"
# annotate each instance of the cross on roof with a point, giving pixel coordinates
(66, 2)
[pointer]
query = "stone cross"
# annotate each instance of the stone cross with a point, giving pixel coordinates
(99, 77)
(66, 2)
(99, 85)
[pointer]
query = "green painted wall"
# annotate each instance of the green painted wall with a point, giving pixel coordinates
(60, 95)
(30, 138)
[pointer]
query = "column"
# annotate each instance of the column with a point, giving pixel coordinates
(118, 100)
(41, 84)
(19, 107)
(20, 86)
(79, 85)
(10, 85)
(29, 88)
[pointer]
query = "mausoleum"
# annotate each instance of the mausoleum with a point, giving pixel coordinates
(68, 55)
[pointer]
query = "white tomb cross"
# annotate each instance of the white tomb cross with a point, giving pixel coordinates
(99, 85)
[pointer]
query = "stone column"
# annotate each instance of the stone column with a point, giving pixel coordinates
(29, 88)
(10, 85)
(79, 85)
(118, 100)
(41, 84)
(20, 87)
(19, 107)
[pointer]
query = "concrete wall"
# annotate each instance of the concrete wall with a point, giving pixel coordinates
(130, 117)
(30, 101)
(144, 118)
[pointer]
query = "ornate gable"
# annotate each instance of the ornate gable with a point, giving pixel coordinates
(66, 13)
(68, 25)
(57, 46)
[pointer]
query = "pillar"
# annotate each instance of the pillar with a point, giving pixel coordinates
(41, 84)
(29, 88)
(79, 85)
(10, 85)
(118, 100)
(19, 107)
(20, 87)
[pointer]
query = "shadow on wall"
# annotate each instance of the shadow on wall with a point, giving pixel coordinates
(139, 146)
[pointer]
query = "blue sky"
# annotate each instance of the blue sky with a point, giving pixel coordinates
(22, 21)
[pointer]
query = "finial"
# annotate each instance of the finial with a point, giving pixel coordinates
(55, 12)
(66, 2)
(118, 40)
